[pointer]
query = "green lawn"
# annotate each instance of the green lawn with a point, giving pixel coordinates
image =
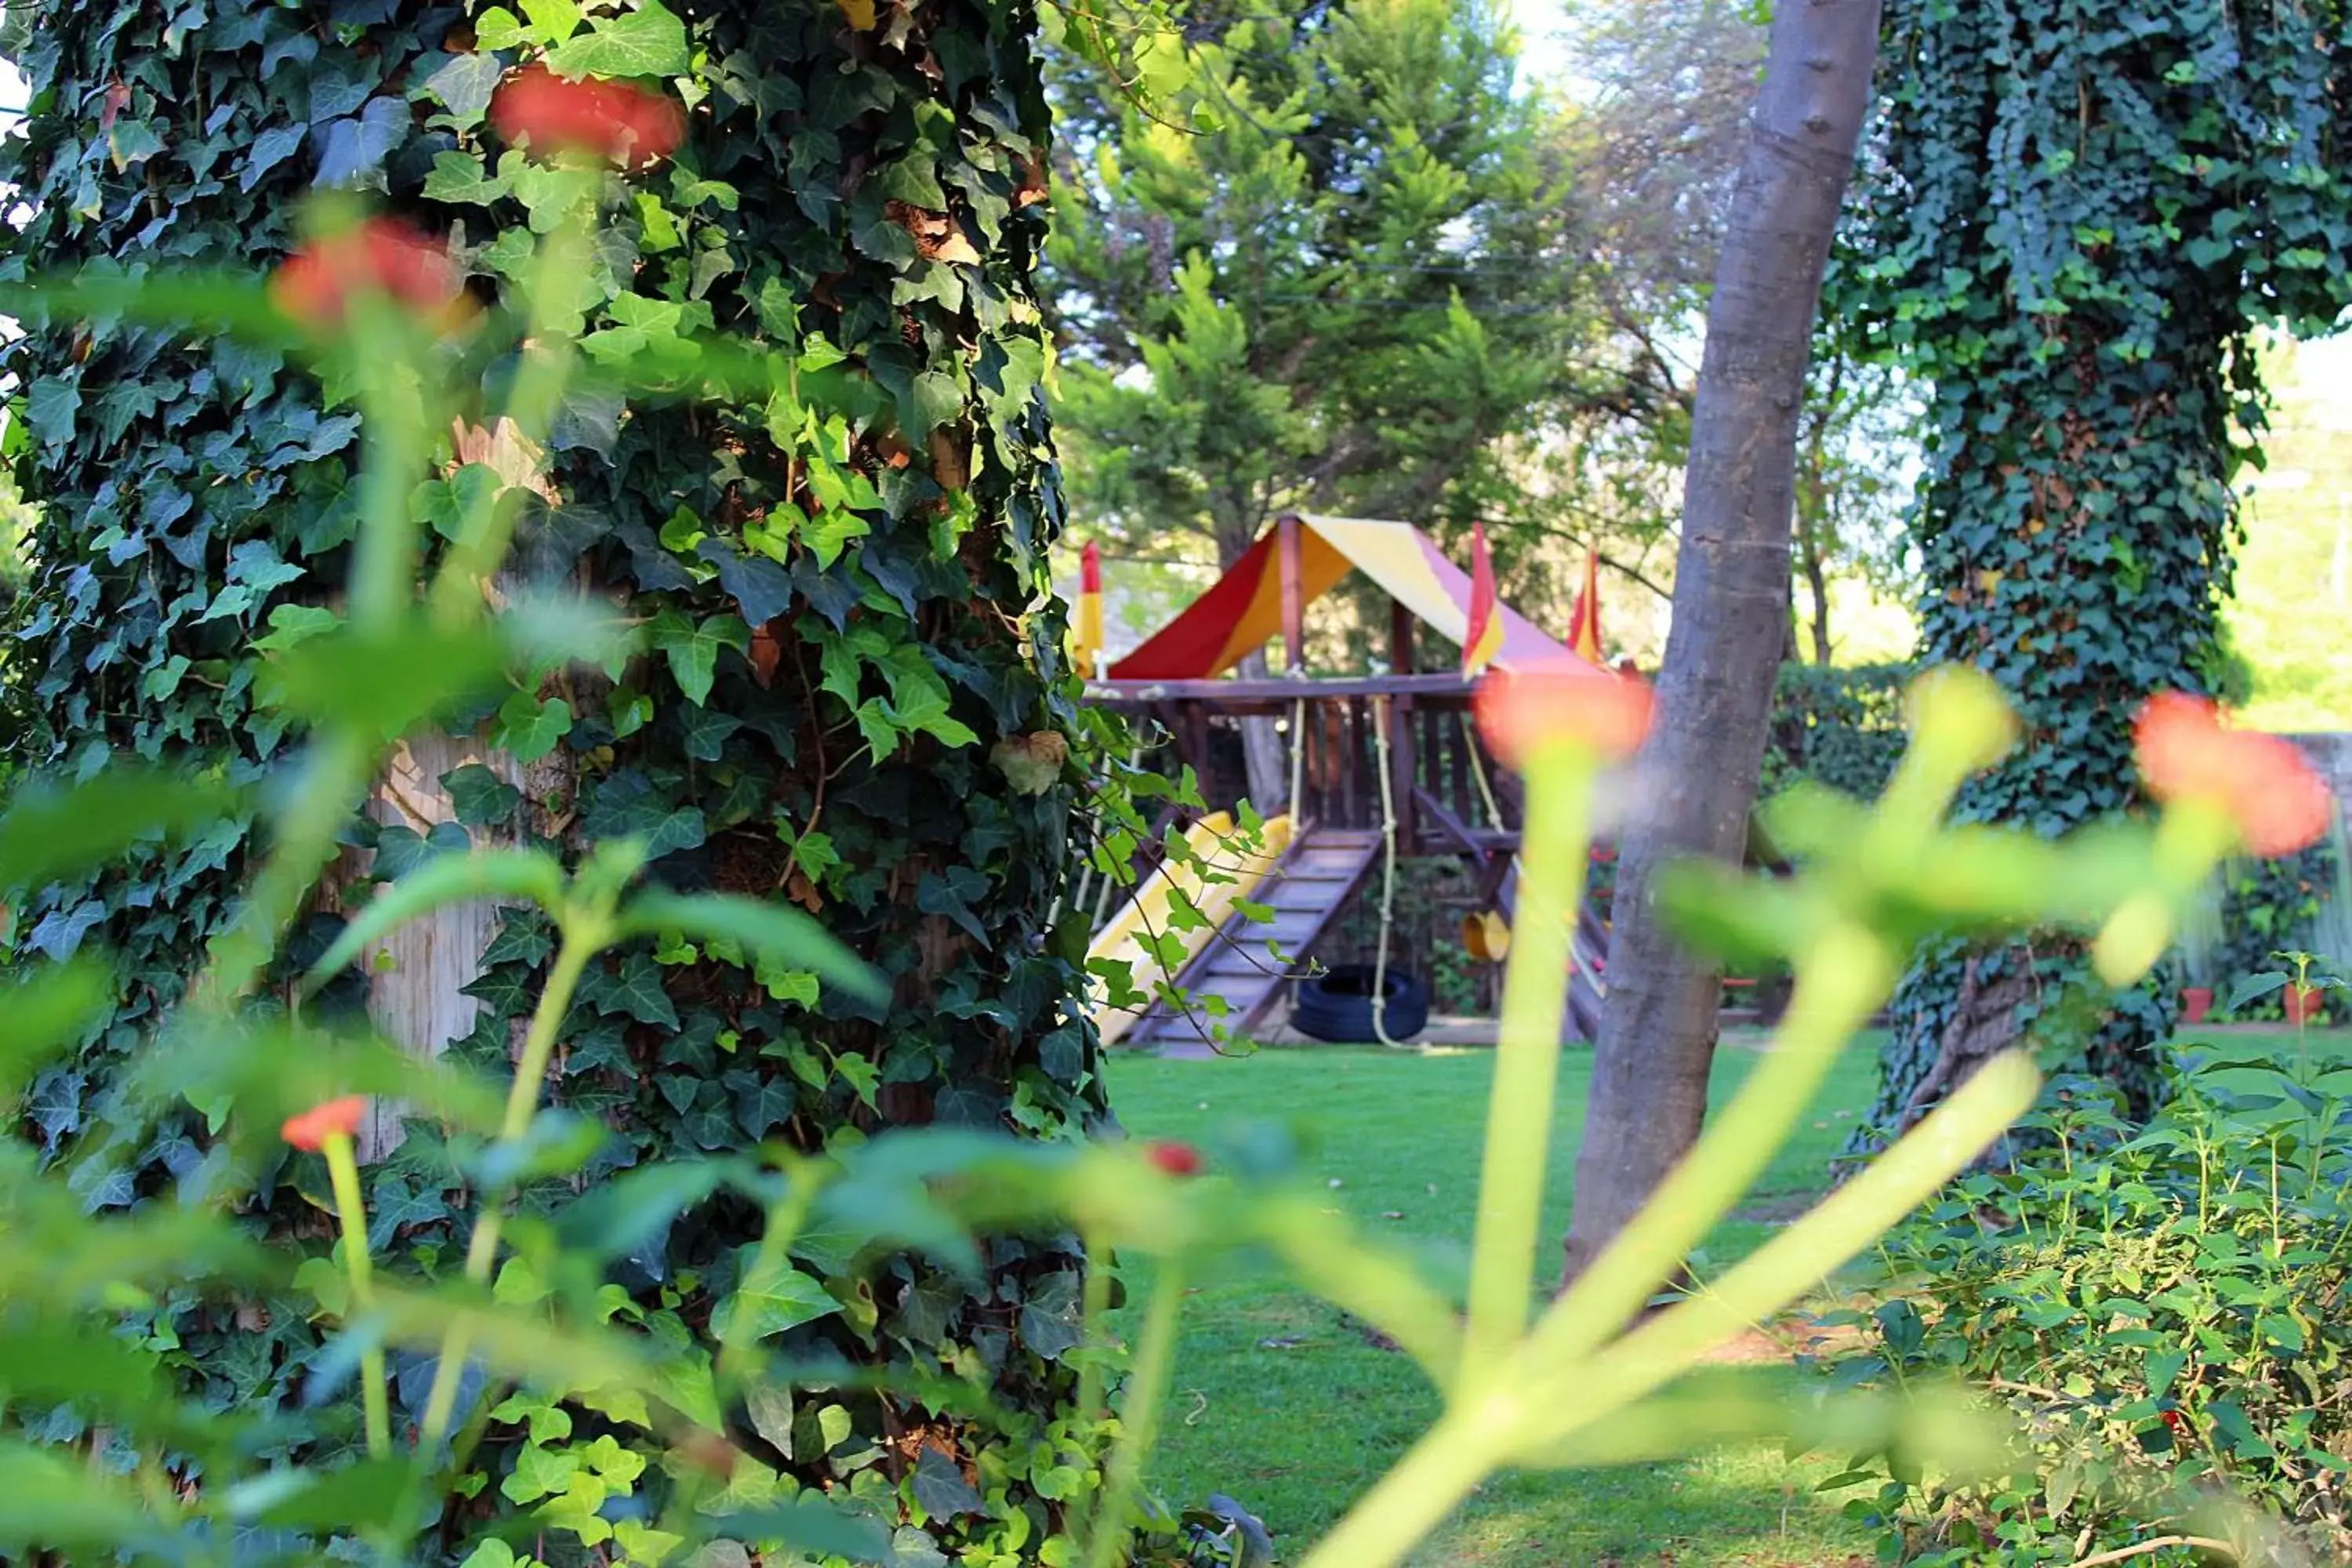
(1279, 1402)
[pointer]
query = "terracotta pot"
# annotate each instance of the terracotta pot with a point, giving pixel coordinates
(2196, 1003)
(2301, 1003)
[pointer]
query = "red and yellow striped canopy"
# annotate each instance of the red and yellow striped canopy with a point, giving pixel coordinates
(1243, 612)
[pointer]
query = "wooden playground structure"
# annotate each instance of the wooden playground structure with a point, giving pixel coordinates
(1384, 767)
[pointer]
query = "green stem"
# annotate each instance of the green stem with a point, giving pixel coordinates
(582, 941)
(1094, 1306)
(343, 1169)
(1146, 1386)
(784, 1222)
(393, 408)
(547, 356)
(329, 792)
(1840, 983)
(1527, 1053)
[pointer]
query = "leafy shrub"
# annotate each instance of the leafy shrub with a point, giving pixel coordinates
(2160, 1310)
(1838, 727)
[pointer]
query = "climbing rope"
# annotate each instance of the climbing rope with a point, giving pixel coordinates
(1298, 757)
(1382, 713)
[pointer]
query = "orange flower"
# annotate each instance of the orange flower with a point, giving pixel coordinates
(337, 1118)
(1521, 710)
(623, 125)
(382, 255)
(2185, 753)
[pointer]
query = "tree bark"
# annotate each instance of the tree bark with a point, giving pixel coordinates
(1731, 595)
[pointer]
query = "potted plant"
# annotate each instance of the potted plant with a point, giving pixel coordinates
(2201, 946)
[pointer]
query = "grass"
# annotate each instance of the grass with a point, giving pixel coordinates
(1282, 1403)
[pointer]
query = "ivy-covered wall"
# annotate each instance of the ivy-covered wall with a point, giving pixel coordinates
(844, 588)
(2079, 212)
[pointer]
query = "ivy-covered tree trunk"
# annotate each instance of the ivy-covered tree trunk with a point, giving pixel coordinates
(2086, 210)
(1651, 1065)
(838, 583)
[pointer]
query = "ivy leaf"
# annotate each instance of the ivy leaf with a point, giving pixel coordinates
(940, 1486)
(531, 729)
(49, 410)
(763, 1103)
(705, 733)
(649, 41)
(394, 1206)
(459, 177)
(132, 142)
(636, 990)
(356, 147)
(269, 149)
(762, 589)
(1052, 1317)
(479, 797)
(465, 86)
(936, 400)
(692, 650)
(499, 29)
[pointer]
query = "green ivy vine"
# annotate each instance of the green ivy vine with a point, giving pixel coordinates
(2075, 217)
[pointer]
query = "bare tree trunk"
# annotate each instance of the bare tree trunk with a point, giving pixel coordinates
(1813, 510)
(1817, 580)
(1264, 756)
(1731, 598)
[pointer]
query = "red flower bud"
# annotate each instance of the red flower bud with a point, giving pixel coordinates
(1522, 709)
(1175, 1159)
(2185, 753)
(382, 256)
(311, 1129)
(623, 125)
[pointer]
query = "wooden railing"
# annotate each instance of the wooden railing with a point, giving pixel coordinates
(1435, 761)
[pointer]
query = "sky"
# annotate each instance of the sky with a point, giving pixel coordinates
(1543, 56)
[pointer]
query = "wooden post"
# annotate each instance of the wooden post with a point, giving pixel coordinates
(1291, 548)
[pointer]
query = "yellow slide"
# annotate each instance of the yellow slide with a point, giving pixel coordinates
(1127, 939)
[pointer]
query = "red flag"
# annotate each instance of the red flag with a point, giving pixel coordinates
(1585, 631)
(1484, 639)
